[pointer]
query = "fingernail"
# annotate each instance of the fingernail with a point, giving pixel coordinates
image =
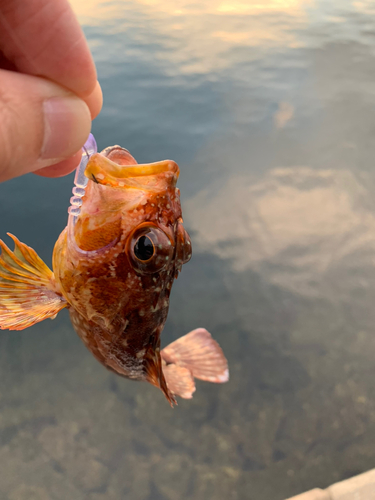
(67, 124)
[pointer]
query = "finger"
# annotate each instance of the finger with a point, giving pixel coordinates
(95, 101)
(44, 38)
(62, 168)
(41, 124)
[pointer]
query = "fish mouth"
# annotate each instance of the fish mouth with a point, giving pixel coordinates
(103, 170)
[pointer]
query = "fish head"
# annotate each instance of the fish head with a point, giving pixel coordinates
(117, 260)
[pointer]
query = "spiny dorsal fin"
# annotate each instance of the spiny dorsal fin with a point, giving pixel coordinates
(27, 288)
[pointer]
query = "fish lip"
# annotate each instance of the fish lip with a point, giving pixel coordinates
(108, 150)
(104, 171)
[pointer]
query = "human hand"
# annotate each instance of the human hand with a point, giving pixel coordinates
(48, 88)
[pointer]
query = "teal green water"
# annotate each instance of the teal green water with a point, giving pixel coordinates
(269, 109)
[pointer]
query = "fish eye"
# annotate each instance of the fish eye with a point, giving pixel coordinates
(144, 248)
(150, 249)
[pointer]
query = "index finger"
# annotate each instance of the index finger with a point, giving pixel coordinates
(44, 38)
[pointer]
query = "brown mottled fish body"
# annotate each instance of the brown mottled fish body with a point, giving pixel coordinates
(114, 266)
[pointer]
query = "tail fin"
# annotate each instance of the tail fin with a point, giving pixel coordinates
(27, 288)
(198, 353)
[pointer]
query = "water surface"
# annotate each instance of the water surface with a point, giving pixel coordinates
(268, 108)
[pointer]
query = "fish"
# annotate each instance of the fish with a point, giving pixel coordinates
(113, 269)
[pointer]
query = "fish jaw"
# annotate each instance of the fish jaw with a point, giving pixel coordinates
(120, 189)
(154, 177)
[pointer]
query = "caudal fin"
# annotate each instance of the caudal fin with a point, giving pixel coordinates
(200, 354)
(27, 288)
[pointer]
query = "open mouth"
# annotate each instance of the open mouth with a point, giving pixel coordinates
(102, 170)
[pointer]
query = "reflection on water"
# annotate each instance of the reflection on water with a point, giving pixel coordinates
(295, 226)
(268, 108)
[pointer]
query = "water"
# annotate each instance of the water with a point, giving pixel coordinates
(268, 108)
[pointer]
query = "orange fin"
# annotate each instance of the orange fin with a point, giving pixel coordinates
(201, 354)
(27, 288)
(179, 380)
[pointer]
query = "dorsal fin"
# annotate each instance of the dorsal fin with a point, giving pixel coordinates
(28, 292)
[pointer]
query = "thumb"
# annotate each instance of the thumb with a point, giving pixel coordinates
(41, 124)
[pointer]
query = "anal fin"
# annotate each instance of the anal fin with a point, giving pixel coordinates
(27, 288)
(198, 353)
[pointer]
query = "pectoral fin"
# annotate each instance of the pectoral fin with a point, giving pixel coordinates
(199, 353)
(179, 380)
(27, 288)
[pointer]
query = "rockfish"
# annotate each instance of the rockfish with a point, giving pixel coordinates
(113, 268)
